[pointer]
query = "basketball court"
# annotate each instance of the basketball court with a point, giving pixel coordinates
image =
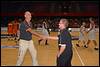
(47, 53)
(75, 11)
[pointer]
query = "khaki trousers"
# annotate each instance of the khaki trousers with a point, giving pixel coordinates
(25, 45)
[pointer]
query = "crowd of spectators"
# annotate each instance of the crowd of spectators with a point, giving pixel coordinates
(74, 22)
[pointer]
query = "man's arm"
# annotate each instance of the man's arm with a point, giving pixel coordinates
(36, 34)
(51, 37)
(81, 30)
(63, 46)
(91, 27)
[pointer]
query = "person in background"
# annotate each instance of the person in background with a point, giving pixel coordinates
(45, 32)
(92, 33)
(83, 38)
(10, 30)
(15, 29)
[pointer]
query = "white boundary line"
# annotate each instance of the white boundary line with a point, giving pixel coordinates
(79, 56)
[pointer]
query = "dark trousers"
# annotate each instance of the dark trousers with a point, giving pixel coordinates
(65, 58)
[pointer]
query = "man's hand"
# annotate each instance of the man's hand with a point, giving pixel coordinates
(29, 29)
(43, 37)
(87, 31)
(58, 55)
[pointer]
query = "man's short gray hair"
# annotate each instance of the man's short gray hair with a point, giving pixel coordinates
(65, 21)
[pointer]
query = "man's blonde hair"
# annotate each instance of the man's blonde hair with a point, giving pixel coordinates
(65, 21)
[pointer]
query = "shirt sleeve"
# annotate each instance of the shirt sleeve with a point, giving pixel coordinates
(22, 27)
(63, 37)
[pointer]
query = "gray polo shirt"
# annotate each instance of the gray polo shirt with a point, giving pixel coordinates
(23, 33)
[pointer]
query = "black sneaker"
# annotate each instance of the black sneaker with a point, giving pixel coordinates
(8, 39)
(15, 38)
(85, 46)
(46, 44)
(96, 48)
(77, 45)
(39, 41)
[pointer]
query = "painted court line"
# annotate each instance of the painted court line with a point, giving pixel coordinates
(9, 46)
(79, 56)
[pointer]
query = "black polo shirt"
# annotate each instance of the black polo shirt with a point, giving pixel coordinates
(23, 33)
(64, 37)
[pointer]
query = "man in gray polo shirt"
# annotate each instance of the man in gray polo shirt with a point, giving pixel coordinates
(26, 41)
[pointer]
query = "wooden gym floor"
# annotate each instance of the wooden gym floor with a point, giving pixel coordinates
(46, 54)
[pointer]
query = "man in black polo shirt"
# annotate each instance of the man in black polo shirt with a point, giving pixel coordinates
(64, 38)
(26, 41)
